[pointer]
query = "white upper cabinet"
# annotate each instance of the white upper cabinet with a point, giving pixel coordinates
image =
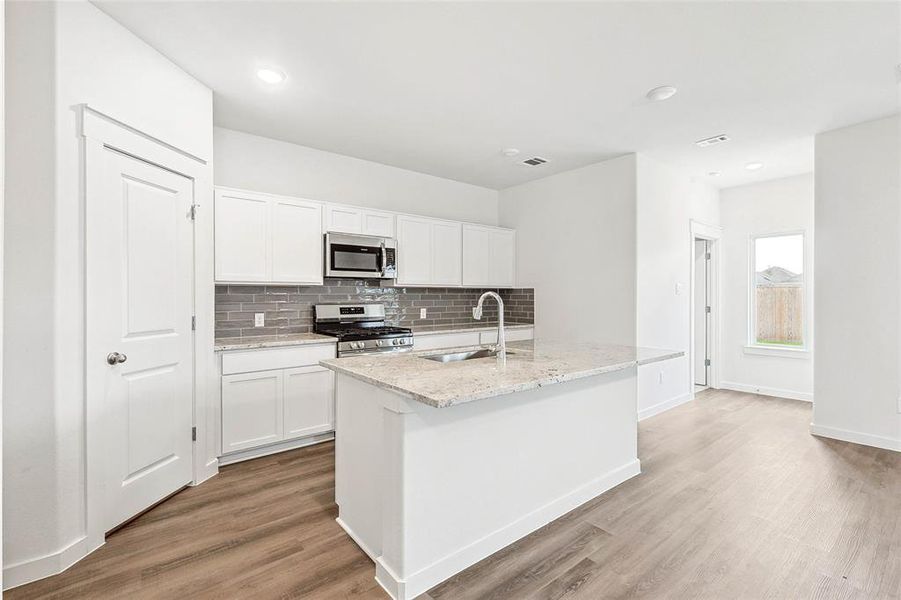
(242, 237)
(378, 223)
(447, 267)
(266, 238)
(263, 238)
(428, 252)
(296, 241)
(351, 219)
(488, 256)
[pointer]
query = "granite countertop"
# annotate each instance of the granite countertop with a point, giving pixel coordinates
(530, 365)
(436, 329)
(271, 341)
(299, 339)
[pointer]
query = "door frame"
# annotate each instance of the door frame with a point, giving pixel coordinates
(712, 234)
(98, 133)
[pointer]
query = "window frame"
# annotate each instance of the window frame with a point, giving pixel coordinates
(752, 346)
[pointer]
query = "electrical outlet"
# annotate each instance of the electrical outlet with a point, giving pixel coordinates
(422, 313)
(679, 288)
(259, 319)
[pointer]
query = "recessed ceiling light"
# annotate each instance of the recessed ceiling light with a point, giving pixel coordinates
(714, 173)
(271, 75)
(664, 92)
(510, 151)
(753, 166)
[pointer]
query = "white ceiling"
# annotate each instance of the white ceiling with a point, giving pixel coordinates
(441, 88)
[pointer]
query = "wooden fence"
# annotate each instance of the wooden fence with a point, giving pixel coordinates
(780, 311)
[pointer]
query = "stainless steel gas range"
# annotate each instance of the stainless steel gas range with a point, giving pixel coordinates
(361, 329)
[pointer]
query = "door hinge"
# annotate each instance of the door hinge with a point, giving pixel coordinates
(706, 362)
(707, 256)
(193, 434)
(194, 322)
(707, 309)
(193, 211)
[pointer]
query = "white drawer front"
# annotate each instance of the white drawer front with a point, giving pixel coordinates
(276, 358)
(512, 335)
(445, 340)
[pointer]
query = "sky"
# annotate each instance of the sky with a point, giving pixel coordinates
(786, 251)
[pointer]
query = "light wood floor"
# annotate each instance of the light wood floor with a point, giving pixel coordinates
(736, 501)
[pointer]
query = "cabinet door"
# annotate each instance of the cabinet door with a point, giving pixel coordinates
(241, 237)
(379, 224)
(503, 262)
(476, 256)
(309, 401)
(296, 242)
(447, 254)
(414, 251)
(251, 410)
(345, 219)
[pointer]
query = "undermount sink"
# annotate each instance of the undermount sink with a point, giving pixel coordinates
(468, 355)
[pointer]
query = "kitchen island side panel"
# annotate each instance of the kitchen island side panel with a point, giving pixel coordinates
(459, 483)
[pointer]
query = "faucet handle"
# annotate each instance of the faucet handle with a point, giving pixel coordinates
(477, 313)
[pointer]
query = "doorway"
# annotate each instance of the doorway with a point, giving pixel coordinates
(701, 312)
(704, 306)
(140, 202)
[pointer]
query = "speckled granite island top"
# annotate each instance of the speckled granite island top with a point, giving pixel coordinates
(530, 365)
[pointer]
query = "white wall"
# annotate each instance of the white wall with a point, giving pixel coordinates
(263, 164)
(780, 205)
(575, 244)
(667, 203)
(856, 376)
(62, 55)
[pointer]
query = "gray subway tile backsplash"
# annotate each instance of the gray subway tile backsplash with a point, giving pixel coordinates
(289, 309)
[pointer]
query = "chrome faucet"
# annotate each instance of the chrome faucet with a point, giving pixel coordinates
(477, 315)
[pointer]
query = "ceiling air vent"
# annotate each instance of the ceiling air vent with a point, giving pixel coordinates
(717, 139)
(534, 161)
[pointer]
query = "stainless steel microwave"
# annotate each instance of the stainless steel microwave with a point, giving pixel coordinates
(349, 255)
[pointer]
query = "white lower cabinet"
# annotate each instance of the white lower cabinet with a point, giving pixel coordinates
(510, 335)
(274, 396)
(433, 341)
(445, 340)
(251, 410)
(309, 401)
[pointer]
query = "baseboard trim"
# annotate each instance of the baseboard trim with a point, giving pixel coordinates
(48, 565)
(242, 455)
(365, 548)
(856, 437)
(206, 472)
(766, 391)
(423, 580)
(664, 406)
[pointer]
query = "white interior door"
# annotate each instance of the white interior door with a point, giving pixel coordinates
(701, 314)
(140, 303)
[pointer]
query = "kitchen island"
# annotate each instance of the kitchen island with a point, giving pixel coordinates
(440, 464)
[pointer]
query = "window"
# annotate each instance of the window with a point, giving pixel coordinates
(777, 296)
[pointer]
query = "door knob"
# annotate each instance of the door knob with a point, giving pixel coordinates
(114, 358)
